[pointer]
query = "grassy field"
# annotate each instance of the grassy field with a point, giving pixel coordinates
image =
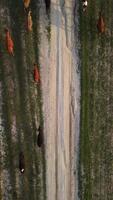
(20, 106)
(96, 137)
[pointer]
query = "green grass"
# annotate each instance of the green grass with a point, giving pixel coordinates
(19, 69)
(96, 148)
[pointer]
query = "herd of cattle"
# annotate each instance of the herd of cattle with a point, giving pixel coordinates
(36, 76)
(100, 21)
(10, 49)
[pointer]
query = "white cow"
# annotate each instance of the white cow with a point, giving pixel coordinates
(85, 4)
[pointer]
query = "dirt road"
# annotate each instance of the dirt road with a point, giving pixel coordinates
(60, 83)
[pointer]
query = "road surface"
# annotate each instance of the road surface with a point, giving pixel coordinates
(61, 94)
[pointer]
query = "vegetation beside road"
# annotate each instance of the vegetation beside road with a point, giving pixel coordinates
(21, 106)
(96, 145)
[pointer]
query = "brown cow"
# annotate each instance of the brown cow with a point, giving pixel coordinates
(9, 42)
(21, 162)
(36, 74)
(101, 24)
(26, 3)
(29, 21)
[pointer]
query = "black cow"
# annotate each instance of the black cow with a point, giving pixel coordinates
(47, 2)
(21, 162)
(40, 137)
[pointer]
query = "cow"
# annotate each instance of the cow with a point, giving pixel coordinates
(26, 3)
(84, 5)
(36, 74)
(9, 42)
(101, 24)
(40, 137)
(47, 2)
(29, 21)
(21, 162)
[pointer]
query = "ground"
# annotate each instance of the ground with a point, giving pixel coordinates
(96, 148)
(60, 100)
(66, 46)
(20, 107)
(51, 172)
